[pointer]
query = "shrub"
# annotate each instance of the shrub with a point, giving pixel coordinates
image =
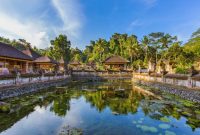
(181, 70)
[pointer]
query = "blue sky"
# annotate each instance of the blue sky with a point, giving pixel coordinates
(39, 21)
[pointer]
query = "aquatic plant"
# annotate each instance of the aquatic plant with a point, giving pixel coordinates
(169, 133)
(67, 130)
(164, 119)
(147, 128)
(164, 126)
(4, 107)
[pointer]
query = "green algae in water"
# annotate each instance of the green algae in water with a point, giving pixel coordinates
(198, 112)
(164, 126)
(169, 133)
(186, 113)
(188, 103)
(165, 119)
(5, 108)
(123, 105)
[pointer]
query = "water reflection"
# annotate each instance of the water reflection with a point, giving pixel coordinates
(110, 99)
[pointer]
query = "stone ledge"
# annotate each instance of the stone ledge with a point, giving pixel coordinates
(183, 92)
(14, 91)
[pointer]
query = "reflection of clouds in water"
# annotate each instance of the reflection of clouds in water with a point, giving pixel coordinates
(74, 115)
(39, 109)
(40, 121)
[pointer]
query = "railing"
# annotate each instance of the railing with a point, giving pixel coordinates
(89, 73)
(8, 80)
(175, 79)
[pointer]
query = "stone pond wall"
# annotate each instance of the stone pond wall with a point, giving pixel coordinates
(99, 76)
(179, 90)
(174, 79)
(14, 91)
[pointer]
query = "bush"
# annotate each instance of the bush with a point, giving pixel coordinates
(181, 70)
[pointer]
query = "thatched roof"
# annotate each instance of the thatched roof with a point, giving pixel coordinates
(45, 59)
(75, 63)
(9, 51)
(91, 63)
(34, 55)
(115, 60)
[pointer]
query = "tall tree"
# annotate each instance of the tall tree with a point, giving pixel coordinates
(61, 46)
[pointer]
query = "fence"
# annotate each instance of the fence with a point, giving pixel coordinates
(175, 79)
(24, 79)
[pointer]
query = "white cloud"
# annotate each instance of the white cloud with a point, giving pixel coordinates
(185, 29)
(70, 12)
(37, 22)
(32, 31)
(133, 24)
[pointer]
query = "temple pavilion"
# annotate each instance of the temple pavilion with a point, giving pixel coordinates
(116, 62)
(40, 62)
(12, 59)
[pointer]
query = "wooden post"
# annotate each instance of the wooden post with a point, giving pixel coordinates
(26, 67)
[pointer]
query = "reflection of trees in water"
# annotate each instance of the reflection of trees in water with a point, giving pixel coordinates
(174, 107)
(22, 106)
(124, 102)
(121, 102)
(61, 105)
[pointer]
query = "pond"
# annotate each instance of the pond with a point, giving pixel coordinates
(112, 107)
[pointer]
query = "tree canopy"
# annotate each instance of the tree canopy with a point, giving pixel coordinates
(154, 47)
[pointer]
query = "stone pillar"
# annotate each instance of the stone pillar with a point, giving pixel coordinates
(189, 82)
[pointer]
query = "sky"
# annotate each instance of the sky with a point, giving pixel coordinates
(39, 21)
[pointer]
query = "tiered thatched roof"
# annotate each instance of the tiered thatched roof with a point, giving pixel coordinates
(115, 60)
(45, 59)
(34, 55)
(9, 51)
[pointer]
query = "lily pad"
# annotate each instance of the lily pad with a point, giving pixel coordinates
(164, 126)
(169, 133)
(148, 129)
(134, 122)
(138, 126)
(164, 119)
(140, 121)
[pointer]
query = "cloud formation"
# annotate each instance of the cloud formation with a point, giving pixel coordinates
(40, 21)
(71, 15)
(133, 24)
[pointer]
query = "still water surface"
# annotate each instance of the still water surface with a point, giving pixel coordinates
(113, 108)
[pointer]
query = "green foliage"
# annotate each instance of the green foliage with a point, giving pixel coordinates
(181, 70)
(60, 48)
(154, 47)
